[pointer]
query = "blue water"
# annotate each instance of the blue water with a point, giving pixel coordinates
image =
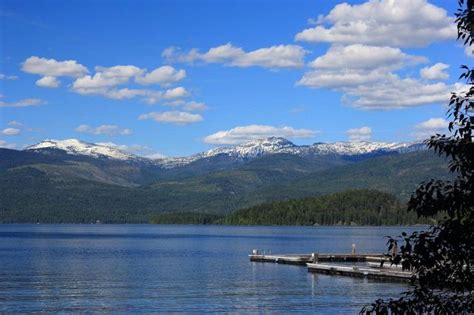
(146, 268)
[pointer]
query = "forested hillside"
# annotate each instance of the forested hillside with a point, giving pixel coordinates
(353, 207)
(71, 189)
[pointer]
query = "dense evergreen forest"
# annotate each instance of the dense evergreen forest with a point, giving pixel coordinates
(353, 207)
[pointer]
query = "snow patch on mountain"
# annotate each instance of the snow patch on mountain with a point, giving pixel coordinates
(77, 147)
(246, 151)
(277, 145)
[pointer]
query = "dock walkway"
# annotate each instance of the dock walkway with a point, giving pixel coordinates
(357, 271)
(303, 259)
(318, 263)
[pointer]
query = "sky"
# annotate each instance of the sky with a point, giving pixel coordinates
(173, 78)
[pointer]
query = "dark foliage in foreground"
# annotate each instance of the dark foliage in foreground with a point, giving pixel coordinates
(442, 256)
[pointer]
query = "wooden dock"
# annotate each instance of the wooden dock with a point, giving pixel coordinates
(303, 259)
(363, 272)
(318, 263)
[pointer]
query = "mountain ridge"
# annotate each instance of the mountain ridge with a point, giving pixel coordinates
(246, 151)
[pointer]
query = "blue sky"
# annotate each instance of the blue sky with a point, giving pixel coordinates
(226, 71)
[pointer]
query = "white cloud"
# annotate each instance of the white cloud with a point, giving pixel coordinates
(177, 92)
(396, 93)
(155, 156)
(172, 117)
(280, 56)
(6, 145)
(164, 75)
(359, 134)
(380, 91)
(341, 79)
(136, 149)
(105, 78)
(365, 75)
(106, 82)
(117, 94)
(469, 51)
(53, 68)
(396, 23)
(252, 132)
(430, 127)
(110, 130)
(8, 77)
(10, 132)
(363, 57)
(15, 123)
(435, 72)
(48, 81)
(188, 106)
(27, 102)
(195, 106)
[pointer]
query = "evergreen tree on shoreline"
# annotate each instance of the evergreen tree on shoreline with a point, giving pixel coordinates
(442, 257)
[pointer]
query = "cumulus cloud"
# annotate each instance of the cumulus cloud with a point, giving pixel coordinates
(137, 149)
(435, 72)
(172, 117)
(15, 123)
(430, 127)
(53, 68)
(195, 106)
(8, 77)
(164, 75)
(177, 92)
(6, 145)
(396, 93)
(280, 56)
(359, 134)
(110, 130)
(365, 75)
(105, 78)
(27, 102)
(400, 23)
(188, 106)
(10, 132)
(378, 90)
(364, 57)
(106, 82)
(252, 132)
(48, 82)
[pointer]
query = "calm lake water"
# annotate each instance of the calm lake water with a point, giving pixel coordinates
(146, 268)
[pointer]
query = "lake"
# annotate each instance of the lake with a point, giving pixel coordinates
(157, 268)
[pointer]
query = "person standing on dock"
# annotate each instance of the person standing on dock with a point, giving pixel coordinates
(353, 248)
(394, 250)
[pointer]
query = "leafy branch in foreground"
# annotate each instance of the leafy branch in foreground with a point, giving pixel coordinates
(442, 257)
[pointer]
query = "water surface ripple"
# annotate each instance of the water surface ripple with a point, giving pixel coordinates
(157, 268)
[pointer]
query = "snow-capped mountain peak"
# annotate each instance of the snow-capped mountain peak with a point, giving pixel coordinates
(358, 147)
(254, 148)
(242, 152)
(275, 145)
(77, 147)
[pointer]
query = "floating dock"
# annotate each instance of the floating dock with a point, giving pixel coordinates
(318, 263)
(303, 259)
(362, 272)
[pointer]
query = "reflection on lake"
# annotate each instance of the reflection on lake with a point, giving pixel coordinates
(146, 268)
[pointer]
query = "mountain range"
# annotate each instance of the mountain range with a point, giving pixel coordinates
(244, 152)
(75, 181)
